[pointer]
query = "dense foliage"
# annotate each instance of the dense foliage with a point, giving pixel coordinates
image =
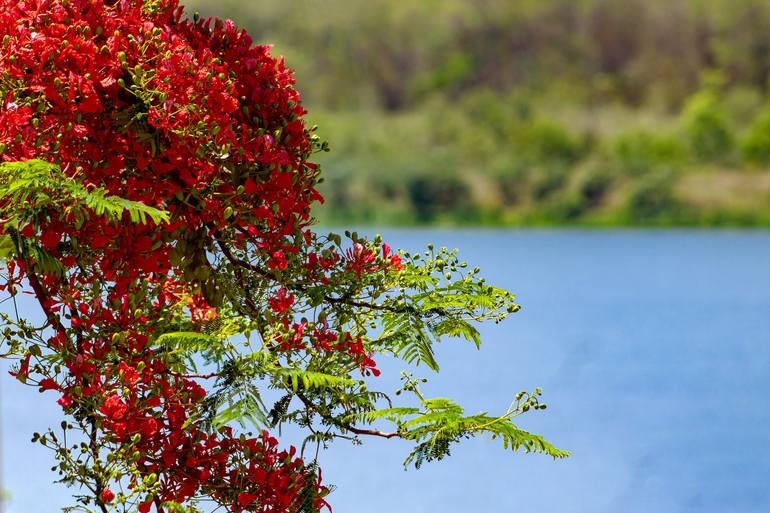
(155, 194)
(531, 112)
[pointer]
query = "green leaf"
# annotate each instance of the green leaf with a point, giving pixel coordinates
(187, 341)
(34, 185)
(7, 247)
(309, 380)
(391, 414)
(458, 328)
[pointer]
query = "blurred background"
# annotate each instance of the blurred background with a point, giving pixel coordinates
(652, 346)
(531, 112)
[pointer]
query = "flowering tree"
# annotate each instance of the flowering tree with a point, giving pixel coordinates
(155, 195)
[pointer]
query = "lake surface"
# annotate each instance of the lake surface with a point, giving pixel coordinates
(653, 350)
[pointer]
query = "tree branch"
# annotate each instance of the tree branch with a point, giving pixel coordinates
(346, 427)
(301, 288)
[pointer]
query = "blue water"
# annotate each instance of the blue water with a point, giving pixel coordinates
(653, 349)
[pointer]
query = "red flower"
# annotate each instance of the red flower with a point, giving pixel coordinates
(23, 372)
(360, 259)
(278, 261)
(148, 427)
(65, 401)
(114, 408)
(107, 496)
(282, 301)
(49, 384)
(28, 231)
(245, 499)
(394, 259)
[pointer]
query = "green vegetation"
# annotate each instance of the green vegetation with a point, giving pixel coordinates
(535, 112)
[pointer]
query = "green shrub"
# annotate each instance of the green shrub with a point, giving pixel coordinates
(546, 181)
(433, 197)
(594, 186)
(741, 104)
(755, 146)
(652, 200)
(707, 128)
(512, 181)
(545, 141)
(567, 209)
(639, 152)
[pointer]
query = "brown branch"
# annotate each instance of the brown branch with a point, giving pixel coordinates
(94, 448)
(238, 275)
(193, 376)
(42, 298)
(372, 432)
(346, 427)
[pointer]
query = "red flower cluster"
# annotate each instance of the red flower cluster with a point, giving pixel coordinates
(188, 117)
(362, 260)
(191, 118)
